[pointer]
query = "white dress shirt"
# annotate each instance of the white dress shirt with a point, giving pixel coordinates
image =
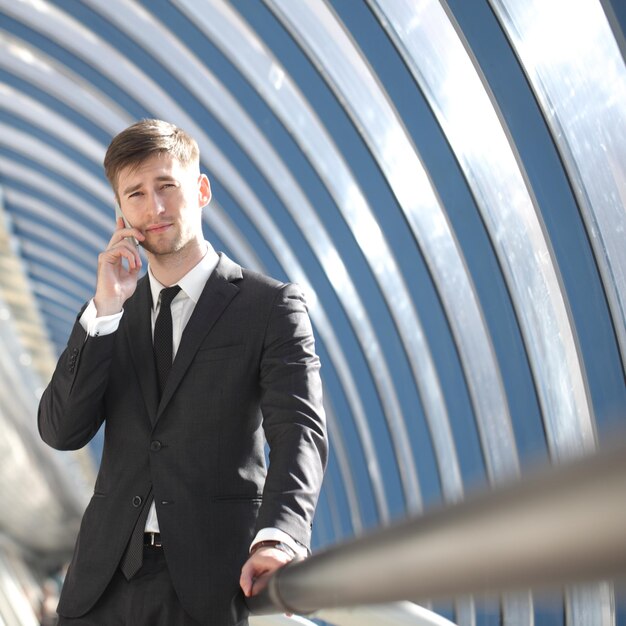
(182, 307)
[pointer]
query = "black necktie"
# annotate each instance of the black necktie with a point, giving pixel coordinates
(163, 356)
(133, 557)
(163, 343)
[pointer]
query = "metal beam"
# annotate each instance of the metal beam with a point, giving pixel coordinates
(562, 526)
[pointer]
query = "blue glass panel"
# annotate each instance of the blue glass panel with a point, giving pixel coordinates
(76, 64)
(559, 210)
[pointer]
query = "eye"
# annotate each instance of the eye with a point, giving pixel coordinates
(135, 194)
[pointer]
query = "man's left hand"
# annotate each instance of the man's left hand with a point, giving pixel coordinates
(259, 567)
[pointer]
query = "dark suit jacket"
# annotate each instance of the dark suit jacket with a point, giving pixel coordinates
(246, 366)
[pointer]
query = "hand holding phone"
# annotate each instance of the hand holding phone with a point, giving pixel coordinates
(118, 269)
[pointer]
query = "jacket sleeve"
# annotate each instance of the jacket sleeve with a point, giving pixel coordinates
(71, 407)
(293, 418)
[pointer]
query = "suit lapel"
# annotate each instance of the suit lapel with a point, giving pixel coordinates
(215, 298)
(139, 334)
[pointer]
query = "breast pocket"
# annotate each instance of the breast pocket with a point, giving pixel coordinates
(219, 354)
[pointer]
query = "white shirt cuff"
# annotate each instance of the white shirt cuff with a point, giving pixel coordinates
(275, 534)
(94, 325)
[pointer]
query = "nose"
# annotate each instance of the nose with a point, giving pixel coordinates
(155, 204)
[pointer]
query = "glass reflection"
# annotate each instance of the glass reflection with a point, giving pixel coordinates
(561, 45)
(470, 121)
(317, 31)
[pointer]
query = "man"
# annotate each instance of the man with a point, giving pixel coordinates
(183, 467)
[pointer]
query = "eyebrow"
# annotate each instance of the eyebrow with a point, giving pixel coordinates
(133, 188)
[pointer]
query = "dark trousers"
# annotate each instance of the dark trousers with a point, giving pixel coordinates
(148, 599)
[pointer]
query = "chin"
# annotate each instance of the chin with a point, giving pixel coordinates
(165, 248)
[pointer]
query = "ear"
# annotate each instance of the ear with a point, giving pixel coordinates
(204, 190)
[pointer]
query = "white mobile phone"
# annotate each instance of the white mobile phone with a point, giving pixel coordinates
(118, 213)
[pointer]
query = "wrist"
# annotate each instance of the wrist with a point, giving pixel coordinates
(277, 545)
(106, 307)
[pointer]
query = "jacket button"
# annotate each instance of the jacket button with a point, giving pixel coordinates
(137, 500)
(155, 446)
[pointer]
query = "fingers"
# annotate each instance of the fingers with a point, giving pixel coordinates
(252, 585)
(260, 583)
(124, 232)
(258, 569)
(122, 250)
(122, 246)
(245, 580)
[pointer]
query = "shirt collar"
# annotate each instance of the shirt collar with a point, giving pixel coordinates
(193, 282)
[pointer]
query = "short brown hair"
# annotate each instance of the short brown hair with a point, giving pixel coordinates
(144, 139)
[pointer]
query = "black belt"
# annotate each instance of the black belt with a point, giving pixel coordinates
(152, 539)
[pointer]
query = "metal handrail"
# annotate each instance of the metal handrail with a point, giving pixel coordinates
(564, 525)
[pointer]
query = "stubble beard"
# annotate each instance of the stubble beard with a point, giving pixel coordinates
(165, 248)
(162, 250)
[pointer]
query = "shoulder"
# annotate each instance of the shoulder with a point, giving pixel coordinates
(261, 281)
(269, 287)
(255, 285)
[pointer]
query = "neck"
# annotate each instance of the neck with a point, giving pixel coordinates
(168, 269)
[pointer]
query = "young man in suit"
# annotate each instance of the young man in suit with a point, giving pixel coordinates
(185, 518)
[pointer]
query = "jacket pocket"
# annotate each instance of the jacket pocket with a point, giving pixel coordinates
(236, 498)
(216, 354)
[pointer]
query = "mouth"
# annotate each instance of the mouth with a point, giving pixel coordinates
(158, 228)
